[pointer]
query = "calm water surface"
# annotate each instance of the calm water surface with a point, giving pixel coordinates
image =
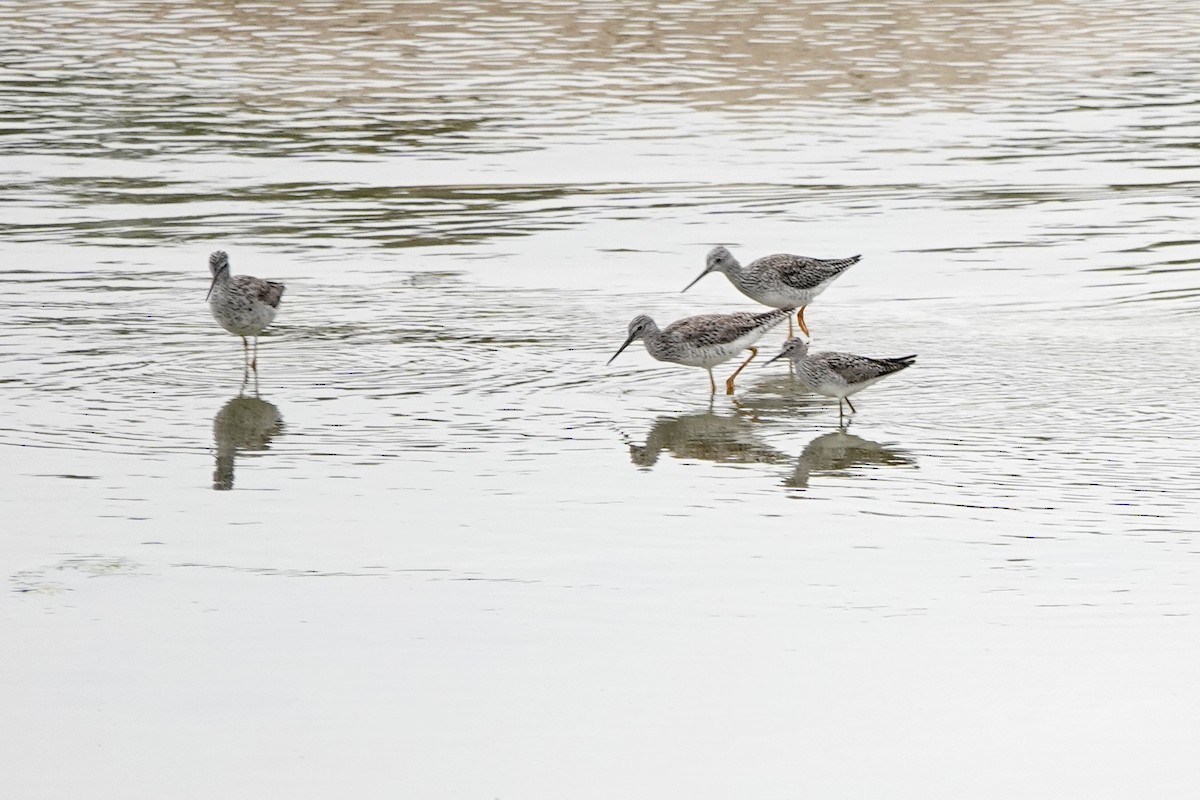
(451, 553)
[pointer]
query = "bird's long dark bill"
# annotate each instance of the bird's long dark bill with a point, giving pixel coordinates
(210, 288)
(693, 283)
(622, 347)
(776, 358)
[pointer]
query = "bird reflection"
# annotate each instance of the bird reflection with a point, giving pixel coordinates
(836, 453)
(706, 437)
(243, 424)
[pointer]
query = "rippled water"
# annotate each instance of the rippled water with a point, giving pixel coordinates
(445, 533)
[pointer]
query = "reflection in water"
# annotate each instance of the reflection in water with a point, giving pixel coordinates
(244, 423)
(837, 453)
(705, 437)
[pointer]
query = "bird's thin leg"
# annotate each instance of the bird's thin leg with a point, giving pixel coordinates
(254, 358)
(841, 413)
(711, 382)
(729, 383)
(790, 330)
(800, 319)
(853, 410)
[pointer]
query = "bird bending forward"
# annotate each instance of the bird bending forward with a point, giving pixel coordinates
(704, 340)
(839, 374)
(779, 281)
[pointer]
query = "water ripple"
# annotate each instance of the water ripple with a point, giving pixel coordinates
(469, 201)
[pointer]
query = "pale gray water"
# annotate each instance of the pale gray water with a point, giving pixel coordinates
(454, 554)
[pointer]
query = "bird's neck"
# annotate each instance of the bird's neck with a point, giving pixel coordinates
(735, 271)
(652, 338)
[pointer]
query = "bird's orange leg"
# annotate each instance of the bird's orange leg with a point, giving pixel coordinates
(729, 383)
(800, 319)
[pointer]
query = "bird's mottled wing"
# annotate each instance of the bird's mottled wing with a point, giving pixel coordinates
(268, 292)
(802, 272)
(272, 294)
(706, 330)
(856, 369)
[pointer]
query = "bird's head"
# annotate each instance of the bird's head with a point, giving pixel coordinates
(638, 327)
(719, 260)
(218, 263)
(793, 350)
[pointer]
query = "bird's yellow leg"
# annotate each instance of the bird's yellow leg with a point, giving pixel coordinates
(729, 383)
(800, 319)
(711, 382)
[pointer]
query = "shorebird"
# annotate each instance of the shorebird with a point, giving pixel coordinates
(243, 305)
(838, 374)
(779, 281)
(705, 340)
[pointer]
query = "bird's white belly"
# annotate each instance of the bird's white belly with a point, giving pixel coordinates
(792, 299)
(828, 388)
(838, 388)
(241, 316)
(858, 387)
(707, 357)
(718, 354)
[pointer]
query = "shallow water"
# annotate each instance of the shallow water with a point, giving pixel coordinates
(444, 533)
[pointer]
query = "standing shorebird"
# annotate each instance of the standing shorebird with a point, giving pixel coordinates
(243, 305)
(838, 374)
(705, 340)
(779, 281)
